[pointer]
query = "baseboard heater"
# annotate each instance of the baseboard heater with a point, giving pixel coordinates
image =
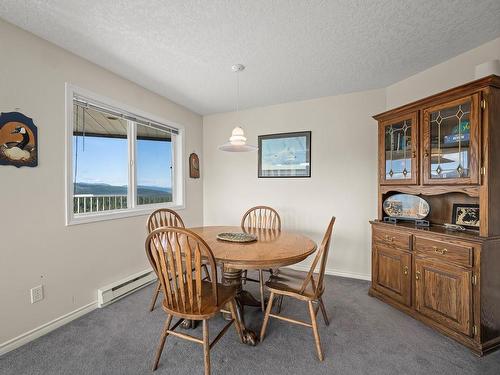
(119, 289)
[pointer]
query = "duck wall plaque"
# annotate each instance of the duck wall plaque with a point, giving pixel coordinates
(18, 140)
(194, 166)
(406, 207)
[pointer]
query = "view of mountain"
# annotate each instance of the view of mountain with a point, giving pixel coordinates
(105, 189)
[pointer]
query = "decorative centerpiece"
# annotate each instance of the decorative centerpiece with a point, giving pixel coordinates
(406, 207)
(237, 237)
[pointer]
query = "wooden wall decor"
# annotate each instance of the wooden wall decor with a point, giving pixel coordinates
(444, 149)
(194, 166)
(18, 140)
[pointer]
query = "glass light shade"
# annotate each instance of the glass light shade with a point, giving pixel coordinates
(237, 142)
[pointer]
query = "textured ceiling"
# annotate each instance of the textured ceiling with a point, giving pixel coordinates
(293, 50)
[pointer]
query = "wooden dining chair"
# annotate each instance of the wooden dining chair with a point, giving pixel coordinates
(294, 284)
(164, 217)
(178, 255)
(260, 217)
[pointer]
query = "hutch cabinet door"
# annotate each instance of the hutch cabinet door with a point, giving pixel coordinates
(444, 293)
(392, 273)
(451, 142)
(398, 145)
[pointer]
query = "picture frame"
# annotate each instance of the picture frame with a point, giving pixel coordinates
(284, 155)
(466, 215)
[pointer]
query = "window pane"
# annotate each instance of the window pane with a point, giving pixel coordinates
(398, 151)
(100, 162)
(450, 142)
(154, 165)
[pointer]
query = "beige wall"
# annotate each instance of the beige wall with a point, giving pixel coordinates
(343, 182)
(35, 245)
(344, 143)
(451, 73)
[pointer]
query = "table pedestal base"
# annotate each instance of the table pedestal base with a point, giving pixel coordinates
(232, 277)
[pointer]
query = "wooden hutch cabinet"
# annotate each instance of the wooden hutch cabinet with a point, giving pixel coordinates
(445, 149)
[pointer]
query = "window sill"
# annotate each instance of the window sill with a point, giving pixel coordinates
(119, 214)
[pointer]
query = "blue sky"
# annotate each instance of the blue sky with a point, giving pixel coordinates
(105, 160)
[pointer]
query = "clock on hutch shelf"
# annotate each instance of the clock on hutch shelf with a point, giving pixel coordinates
(446, 150)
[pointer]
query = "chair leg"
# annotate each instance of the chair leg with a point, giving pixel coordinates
(280, 302)
(244, 276)
(237, 323)
(164, 335)
(207, 277)
(261, 283)
(323, 311)
(206, 347)
(155, 296)
(266, 316)
(315, 330)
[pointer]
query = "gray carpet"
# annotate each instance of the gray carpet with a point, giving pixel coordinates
(365, 336)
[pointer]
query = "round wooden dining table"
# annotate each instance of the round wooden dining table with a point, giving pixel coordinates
(272, 249)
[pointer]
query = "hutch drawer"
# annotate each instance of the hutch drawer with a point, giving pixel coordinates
(444, 251)
(392, 239)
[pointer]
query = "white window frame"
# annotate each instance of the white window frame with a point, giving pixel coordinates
(178, 186)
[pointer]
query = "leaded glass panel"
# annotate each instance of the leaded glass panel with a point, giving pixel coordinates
(450, 130)
(398, 150)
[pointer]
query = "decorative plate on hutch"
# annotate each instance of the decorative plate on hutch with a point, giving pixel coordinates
(406, 207)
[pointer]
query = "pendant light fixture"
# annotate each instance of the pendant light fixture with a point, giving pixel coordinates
(237, 141)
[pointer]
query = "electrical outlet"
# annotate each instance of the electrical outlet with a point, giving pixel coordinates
(36, 293)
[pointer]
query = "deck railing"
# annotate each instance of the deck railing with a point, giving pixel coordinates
(87, 203)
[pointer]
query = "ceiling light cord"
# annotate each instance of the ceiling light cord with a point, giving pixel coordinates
(237, 92)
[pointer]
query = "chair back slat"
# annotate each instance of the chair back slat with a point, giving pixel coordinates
(321, 258)
(180, 270)
(164, 217)
(189, 275)
(177, 255)
(261, 217)
(197, 265)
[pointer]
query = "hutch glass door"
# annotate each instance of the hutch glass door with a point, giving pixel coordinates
(451, 142)
(398, 155)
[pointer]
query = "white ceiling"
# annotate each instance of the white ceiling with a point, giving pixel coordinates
(293, 50)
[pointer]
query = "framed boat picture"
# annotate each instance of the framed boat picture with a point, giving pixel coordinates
(18, 140)
(285, 155)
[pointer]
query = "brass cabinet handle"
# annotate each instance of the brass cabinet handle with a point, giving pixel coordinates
(414, 154)
(405, 270)
(389, 238)
(417, 275)
(426, 153)
(437, 250)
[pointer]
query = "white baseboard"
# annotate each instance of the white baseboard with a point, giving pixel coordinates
(331, 271)
(26, 337)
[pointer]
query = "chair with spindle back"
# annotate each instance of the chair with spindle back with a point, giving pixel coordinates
(260, 217)
(178, 255)
(295, 285)
(164, 217)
